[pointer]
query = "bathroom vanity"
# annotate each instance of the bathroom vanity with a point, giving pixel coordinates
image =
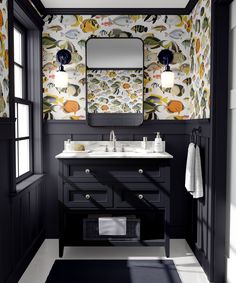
(130, 184)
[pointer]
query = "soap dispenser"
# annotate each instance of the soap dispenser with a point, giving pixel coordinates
(158, 143)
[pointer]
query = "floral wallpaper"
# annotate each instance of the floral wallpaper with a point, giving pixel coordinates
(115, 91)
(4, 68)
(181, 34)
(200, 58)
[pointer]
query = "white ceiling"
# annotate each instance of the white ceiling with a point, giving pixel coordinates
(115, 3)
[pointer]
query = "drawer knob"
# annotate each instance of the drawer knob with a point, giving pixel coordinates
(140, 196)
(87, 171)
(140, 171)
(87, 196)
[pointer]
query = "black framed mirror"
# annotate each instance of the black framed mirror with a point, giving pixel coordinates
(114, 81)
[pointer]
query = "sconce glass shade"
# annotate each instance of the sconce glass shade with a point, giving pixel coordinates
(167, 79)
(61, 79)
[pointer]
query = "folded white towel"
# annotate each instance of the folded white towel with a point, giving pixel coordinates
(112, 226)
(190, 169)
(198, 191)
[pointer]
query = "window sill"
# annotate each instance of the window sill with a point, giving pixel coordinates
(28, 182)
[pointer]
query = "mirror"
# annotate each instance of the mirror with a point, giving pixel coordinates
(115, 53)
(114, 81)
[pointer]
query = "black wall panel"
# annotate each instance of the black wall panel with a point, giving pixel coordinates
(177, 139)
(21, 215)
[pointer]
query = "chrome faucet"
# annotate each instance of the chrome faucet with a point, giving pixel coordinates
(113, 140)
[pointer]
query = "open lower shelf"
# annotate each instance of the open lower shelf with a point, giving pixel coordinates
(149, 229)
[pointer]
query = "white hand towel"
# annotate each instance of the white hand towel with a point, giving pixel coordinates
(198, 192)
(112, 226)
(190, 169)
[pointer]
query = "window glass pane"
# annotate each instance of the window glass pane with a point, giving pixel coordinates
(24, 162)
(16, 123)
(23, 120)
(18, 82)
(17, 169)
(17, 47)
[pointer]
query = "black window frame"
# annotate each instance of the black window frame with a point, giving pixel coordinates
(24, 101)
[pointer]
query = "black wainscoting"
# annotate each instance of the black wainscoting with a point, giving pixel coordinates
(177, 136)
(21, 214)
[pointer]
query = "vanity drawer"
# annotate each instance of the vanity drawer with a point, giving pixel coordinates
(82, 172)
(88, 195)
(139, 195)
(138, 173)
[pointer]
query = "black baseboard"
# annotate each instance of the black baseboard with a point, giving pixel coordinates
(25, 261)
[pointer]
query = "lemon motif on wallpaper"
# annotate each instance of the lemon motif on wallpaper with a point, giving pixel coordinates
(4, 63)
(188, 37)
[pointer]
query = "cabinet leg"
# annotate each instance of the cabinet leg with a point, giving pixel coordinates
(61, 249)
(167, 247)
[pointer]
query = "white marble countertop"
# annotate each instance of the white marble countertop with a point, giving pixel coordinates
(132, 149)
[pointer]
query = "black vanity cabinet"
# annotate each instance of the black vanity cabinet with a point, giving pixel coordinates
(138, 189)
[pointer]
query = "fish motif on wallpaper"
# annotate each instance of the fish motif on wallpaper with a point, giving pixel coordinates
(4, 64)
(115, 91)
(188, 36)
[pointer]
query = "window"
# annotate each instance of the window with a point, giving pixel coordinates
(23, 107)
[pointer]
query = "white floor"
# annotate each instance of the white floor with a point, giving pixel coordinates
(188, 267)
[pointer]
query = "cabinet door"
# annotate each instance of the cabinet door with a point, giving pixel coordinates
(88, 195)
(140, 195)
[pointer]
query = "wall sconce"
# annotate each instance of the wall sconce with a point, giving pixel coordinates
(61, 76)
(167, 77)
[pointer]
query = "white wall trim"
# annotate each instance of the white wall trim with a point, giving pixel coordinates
(232, 15)
(232, 99)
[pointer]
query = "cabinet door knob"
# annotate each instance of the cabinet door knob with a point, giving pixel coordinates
(87, 196)
(140, 171)
(140, 196)
(87, 171)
